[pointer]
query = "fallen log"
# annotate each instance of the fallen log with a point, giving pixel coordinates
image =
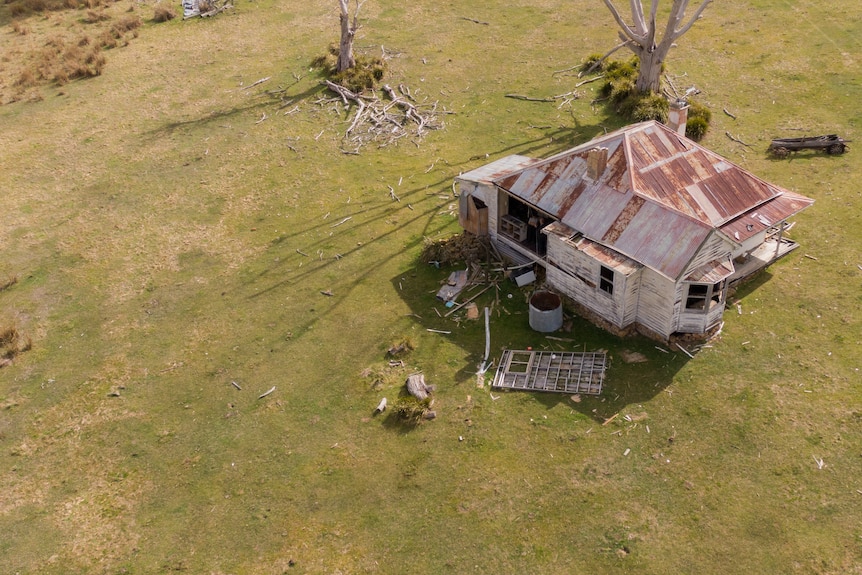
(381, 407)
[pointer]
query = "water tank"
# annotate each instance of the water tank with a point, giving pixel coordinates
(546, 312)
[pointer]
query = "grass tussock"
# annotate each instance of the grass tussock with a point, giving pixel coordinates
(163, 13)
(62, 61)
(27, 7)
(94, 16)
(12, 343)
(8, 282)
(412, 410)
(20, 28)
(367, 74)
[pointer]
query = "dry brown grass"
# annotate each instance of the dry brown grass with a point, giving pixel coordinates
(64, 45)
(20, 28)
(93, 16)
(26, 7)
(163, 13)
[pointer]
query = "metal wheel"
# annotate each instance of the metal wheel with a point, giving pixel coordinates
(835, 149)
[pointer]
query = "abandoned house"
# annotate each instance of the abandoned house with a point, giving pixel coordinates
(642, 229)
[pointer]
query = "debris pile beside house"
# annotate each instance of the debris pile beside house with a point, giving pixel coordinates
(640, 230)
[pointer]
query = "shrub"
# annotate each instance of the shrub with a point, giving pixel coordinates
(641, 107)
(410, 409)
(696, 128)
(593, 63)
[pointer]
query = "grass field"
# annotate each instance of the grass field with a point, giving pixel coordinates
(170, 232)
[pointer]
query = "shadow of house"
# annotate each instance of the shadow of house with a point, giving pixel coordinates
(642, 230)
(626, 383)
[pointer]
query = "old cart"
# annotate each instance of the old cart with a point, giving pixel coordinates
(831, 143)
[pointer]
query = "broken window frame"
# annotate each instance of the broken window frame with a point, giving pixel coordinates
(713, 294)
(607, 277)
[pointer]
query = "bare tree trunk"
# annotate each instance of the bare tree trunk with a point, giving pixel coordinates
(649, 71)
(348, 32)
(641, 37)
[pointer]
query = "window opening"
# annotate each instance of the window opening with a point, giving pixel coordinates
(697, 296)
(606, 280)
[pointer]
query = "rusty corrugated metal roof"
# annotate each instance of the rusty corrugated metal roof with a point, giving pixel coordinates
(489, 172)
(658, 198)
(713, 272)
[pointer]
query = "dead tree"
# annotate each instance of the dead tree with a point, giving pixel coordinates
(346, 59)
(640, 37)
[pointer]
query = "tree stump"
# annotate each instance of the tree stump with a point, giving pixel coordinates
(417, 388)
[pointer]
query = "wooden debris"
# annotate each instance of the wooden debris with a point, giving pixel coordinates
(236, 385)
(439, 331)
(474, 21)
(417, 387)
(264, 394)
(327, 293)
(462, 304)
(381, 407)
(454, 285)
(564, 99)
(472, 311)
(341, 222)
(384, 122)
(737, 140)
(685, 351)
(728, 113)
(610, 419)
(813, 258)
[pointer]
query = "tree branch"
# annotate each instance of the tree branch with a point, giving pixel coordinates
(694, 19)
(629, 33)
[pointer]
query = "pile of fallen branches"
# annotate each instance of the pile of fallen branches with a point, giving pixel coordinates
(383, 121)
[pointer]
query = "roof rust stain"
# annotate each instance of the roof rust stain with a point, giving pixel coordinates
(656, 198)
(623, 219)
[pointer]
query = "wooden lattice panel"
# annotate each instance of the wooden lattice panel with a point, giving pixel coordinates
(560, 372)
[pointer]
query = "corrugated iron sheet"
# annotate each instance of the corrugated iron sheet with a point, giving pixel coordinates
(658, 199)
(766, 215)
(713, 272)
(497, 168)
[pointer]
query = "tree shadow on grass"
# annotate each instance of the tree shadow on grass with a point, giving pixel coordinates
(263, 100)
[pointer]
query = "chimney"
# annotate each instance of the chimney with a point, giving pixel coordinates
(678, 116)
(597, 160)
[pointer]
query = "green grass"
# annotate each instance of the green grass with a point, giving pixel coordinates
(155, 224)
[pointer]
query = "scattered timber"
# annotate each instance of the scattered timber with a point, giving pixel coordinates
(384, 122)
(381, 407)
(264, 394)
(737, 140)
(473, 20)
